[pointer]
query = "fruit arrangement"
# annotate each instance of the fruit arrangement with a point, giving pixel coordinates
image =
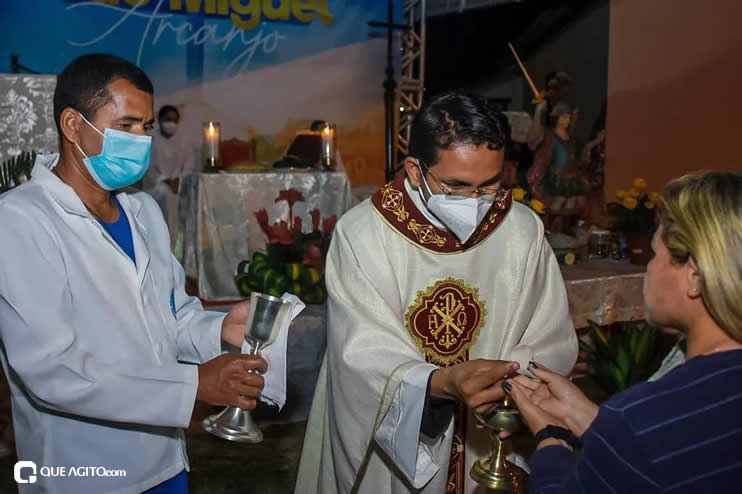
(265, 276)
(293, 261)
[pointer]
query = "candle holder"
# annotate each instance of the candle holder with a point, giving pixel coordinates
(212, 140)
(327, 161)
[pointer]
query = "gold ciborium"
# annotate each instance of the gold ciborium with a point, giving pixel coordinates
(496, 472)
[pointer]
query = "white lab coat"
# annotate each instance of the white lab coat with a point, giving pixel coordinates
(93, 343)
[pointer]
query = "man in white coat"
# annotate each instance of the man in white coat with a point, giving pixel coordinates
(95, 324)
(431, 282)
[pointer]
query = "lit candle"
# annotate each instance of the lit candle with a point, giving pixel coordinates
(328, 146)
(212, 136)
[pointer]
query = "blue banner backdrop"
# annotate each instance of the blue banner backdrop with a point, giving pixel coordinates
(263, 68)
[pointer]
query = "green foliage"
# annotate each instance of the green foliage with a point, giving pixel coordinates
(287, 268)
(15, 169)
(622, 354)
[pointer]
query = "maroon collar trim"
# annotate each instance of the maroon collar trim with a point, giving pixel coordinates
(394, 204)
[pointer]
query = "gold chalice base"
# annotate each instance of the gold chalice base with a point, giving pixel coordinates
(485, 473)
(496, 473)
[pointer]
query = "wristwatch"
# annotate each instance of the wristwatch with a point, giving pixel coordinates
(558, 432)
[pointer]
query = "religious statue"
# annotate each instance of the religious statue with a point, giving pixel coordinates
(554, 176)
(553, 179)
(593, 179)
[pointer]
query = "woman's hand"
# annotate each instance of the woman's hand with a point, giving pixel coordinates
(529, 402)
(554, 401)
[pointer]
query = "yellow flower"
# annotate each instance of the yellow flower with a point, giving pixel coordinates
(537, 206)
(621, 194)
(640, 183)
(519, 194)
(630, 203)
(654, 196)
(649, 204)
(634, 192)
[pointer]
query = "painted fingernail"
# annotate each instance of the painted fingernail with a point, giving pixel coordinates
(532, 364)
(507, 387)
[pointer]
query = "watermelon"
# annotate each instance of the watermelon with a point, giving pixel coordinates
(297, 289)
(295, 271)
(313, 276)
(242, 267)
(268, 279)
(243, 284)
(259, 265)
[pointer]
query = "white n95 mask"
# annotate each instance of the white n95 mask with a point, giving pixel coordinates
(461, 215)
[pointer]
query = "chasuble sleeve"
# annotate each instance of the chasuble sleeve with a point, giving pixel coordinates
(378, 378)
(543, 309)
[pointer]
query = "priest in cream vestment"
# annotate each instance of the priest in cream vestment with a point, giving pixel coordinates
(439, 268)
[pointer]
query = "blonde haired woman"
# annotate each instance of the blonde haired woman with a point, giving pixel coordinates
(682, 433)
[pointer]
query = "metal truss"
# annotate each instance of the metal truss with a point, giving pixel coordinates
(412, 78)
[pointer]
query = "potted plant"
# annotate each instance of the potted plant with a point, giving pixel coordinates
(522, 196)
(635, 219)
(622, 354)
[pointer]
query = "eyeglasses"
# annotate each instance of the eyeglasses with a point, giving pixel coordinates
(462, 190)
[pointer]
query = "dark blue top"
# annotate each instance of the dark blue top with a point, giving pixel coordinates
(681, 434)
(176, 485)
(120, 231)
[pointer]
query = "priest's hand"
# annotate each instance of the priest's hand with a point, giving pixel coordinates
(233, 326)
(475, 382)
(227, 380)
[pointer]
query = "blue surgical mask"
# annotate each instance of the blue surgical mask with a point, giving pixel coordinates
(123, 160)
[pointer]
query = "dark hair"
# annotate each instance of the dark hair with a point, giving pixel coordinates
(166, 109)
(317, 125)
(83, 84)
(455, 118)
(508, 130)
(549, 77)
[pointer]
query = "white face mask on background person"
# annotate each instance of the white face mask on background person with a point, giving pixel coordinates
(461, 215)
(169, 127)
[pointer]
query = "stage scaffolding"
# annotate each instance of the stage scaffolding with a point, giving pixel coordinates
(412, 78)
